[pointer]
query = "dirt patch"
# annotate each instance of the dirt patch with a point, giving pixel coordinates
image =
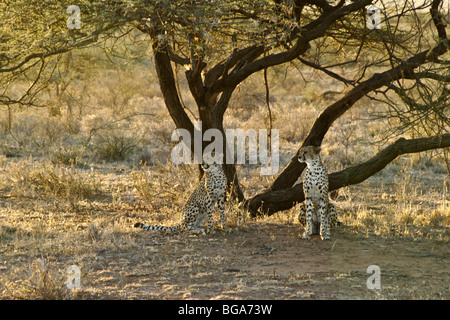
(257, 259)
(260, 261)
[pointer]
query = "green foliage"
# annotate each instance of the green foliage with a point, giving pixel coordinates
(34, 31)
(40, 28)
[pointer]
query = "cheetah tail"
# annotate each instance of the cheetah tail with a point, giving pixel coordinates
(157, 228)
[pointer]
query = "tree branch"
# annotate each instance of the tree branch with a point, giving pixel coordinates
(437, 19)
(294, 169)
(241, 74)
(326, 71)
(275, 201)
(80, 44)
(312, 31)
(167, 82)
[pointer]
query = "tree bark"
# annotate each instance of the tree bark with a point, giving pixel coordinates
(278, 200)
(168, 86)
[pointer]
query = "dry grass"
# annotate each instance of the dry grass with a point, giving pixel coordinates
(37, 281)
(45, 181)
(81, 176)
(98, 237)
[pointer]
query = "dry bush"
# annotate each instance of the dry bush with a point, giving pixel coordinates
(37, 281)
(27, 179)
(115, 145)
(168, 186)
(401, 204)
(67, 155)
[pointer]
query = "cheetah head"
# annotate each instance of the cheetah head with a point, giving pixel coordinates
(211, 166)
(308, 153)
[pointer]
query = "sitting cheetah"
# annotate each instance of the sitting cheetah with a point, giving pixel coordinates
(201, 203)
(320, 213)
(331, 211)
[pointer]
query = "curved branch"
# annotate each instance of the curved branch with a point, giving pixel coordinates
(320, 127)
(311, 31)
(438, 19)
(164, 71)
(275, 201)
(93, 38)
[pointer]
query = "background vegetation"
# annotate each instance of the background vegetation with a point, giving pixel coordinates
(85, 127)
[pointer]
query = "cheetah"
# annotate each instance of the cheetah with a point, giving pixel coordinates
(320, 212)
(201, 203)
(333, 220)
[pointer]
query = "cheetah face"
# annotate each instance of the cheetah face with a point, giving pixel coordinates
(211, 167)
(308, 153)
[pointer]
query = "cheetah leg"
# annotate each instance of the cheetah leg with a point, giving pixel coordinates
(210, 221)
(220, 204)
(193, 224)
(324, 220)
(209, 217)
(308, 228)
(333, 215)
(302, 215)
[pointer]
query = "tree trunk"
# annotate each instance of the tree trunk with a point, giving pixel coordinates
(211, 114)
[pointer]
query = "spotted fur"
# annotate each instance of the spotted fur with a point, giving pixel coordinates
(319, 213)
(200, 205)
(333, 220)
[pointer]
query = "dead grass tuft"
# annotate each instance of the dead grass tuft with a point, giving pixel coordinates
(37, 281)
(32, 179)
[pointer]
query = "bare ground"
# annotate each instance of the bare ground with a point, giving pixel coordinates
(270, 261)
(256, 261)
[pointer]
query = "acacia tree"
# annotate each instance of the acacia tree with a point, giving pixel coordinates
(34, 35)
(222, 43)
(309, 31)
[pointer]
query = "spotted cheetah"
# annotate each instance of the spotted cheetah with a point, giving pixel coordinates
(320, 213)
(331, 211)
(201, 203)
